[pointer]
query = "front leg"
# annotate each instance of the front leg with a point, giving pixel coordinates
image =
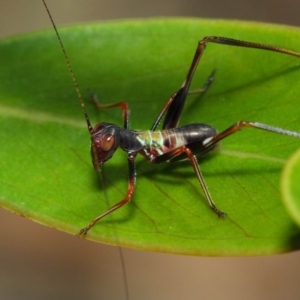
(130, 190)
(123, 105)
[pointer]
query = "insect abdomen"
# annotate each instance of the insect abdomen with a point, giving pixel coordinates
(157, 144)
(194, 133)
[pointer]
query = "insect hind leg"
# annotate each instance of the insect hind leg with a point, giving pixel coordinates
(173, 108)
(206, 85)
(175, 103)
(241, 124)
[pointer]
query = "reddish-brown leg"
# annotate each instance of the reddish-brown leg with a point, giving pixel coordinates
(123, 105)
(126, 199)
(174, 106)
(240, 124)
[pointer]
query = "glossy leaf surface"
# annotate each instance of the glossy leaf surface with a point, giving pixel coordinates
(46, 171)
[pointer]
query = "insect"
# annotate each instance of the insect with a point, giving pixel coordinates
(172, 143)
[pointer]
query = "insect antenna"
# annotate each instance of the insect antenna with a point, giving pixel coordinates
(90, 127)
(91, 131)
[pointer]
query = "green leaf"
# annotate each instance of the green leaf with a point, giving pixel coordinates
(290, 186)
(46, 170)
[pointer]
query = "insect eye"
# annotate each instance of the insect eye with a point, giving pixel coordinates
(108, 142)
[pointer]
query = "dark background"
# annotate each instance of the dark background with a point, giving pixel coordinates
(37, 262)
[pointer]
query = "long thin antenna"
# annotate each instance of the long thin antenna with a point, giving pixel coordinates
(90, 127)
(91, 131)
